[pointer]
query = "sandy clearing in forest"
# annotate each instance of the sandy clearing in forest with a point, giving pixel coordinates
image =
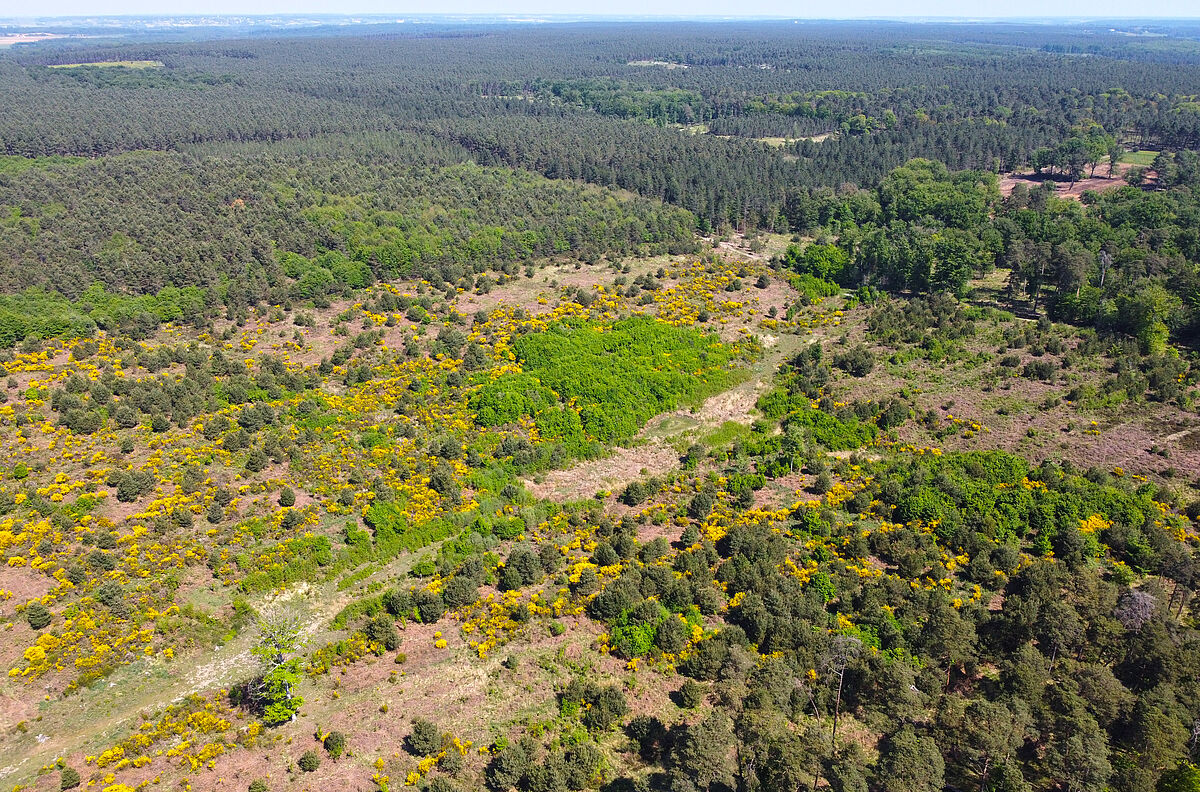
(26, 38)
(1064, 188)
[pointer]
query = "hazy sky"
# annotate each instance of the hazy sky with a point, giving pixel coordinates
(799, 8)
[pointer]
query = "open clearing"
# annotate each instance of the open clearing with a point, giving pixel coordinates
(1141, 158)
(660, 64)
(130, 64)
(1063, 187)
(9, 39)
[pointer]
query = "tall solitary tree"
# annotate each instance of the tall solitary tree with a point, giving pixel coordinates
(279, 641)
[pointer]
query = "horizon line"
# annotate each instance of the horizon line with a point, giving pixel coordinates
(625, 17)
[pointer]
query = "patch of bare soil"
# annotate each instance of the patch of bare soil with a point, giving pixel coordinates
(783, 491)
(26, 38)
(612, 473)
(375, 701)
(544, 289)
(1064, 188)
(23, 584)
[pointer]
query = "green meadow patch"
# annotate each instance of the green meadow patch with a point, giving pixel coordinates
(583, 384)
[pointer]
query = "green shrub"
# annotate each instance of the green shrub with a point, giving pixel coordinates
(335, 744)
(607, 707)
(258, 785)
(633, 640)
(382, 630)
(443, 784)
(309, 761)
(507, 767)
(700, 505)
(857, 361)
(430, 606)
(397, 602)
(425, 739)
(451, 762)
(692, 694)
(1039, 370)
(70, 778)
(460, 591)
(38, 616)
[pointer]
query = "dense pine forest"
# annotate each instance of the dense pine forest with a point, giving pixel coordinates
(625, 406)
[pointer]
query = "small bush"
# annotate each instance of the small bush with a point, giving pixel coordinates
(700, 505)
(382, 630)
(287, 497)
(451, 762)
(426, 738)
(692, 694)
(605, 555)
(430, 606)
(70, 778)
(507, 768)
(38, 616)
(858, 361)
(335, 744)
(258, 785)
(634, 494)
(460, 591)
(607, 706)
(1039, 370)
(309, 761)
(397, 603)
(257, 461)
(442, 784)
(109, 593)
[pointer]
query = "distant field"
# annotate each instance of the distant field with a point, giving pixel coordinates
(779, 142)
(8, 39)
(130, 64)
(1142, 158)
(661, 64)
(776, 142)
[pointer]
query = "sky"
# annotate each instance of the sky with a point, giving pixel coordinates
(1090, 9)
